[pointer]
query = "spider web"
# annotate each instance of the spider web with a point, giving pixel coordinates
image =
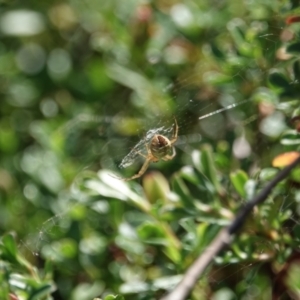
(204, 124)
(142, 145)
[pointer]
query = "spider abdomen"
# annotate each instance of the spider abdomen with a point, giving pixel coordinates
(160, 146)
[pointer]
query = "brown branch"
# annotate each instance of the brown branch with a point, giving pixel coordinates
(190, 278)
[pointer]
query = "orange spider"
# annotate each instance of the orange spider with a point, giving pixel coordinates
(160, 147)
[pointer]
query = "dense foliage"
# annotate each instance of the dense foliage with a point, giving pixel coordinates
(81, 84)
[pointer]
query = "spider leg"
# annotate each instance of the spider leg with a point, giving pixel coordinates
(175, 132)
(143, 155)
(169, 157)
(148, 159)
(141, 171)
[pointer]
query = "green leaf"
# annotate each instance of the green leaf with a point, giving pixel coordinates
(216, 78)
(160, 234)
(296, 69)
(217, 52)
(48, 270)
(293, 48)
(295, 175)
(152, 233)
(239, 252)
(250, 188)
(290, 137)
(188, 174)
(111, 187)
(162, 283)
(278, 80)
(156, 187)
(292, 280)
(267, 174)
(209, 169)
(180, 188)
(41, 292)
(114, 297)
(188, 224)
(239, 179)
(9, 247)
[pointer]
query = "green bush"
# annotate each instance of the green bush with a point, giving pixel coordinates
(82, 83)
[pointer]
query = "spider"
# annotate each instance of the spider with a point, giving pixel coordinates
(160, 147)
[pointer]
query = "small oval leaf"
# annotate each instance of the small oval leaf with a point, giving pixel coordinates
(293, 48)
(278, 80)
(239, 179)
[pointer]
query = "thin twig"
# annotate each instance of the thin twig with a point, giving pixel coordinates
(184, 288)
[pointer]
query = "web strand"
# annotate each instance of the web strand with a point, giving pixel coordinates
(223, 109)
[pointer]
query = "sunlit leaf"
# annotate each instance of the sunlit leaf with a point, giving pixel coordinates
(267, 174)
(239, 179)
(156, 187)
(152, 233)
(285, 159)
(114, 297)
(290, 137)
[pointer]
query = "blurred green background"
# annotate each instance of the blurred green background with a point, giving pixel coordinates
(82, 82)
